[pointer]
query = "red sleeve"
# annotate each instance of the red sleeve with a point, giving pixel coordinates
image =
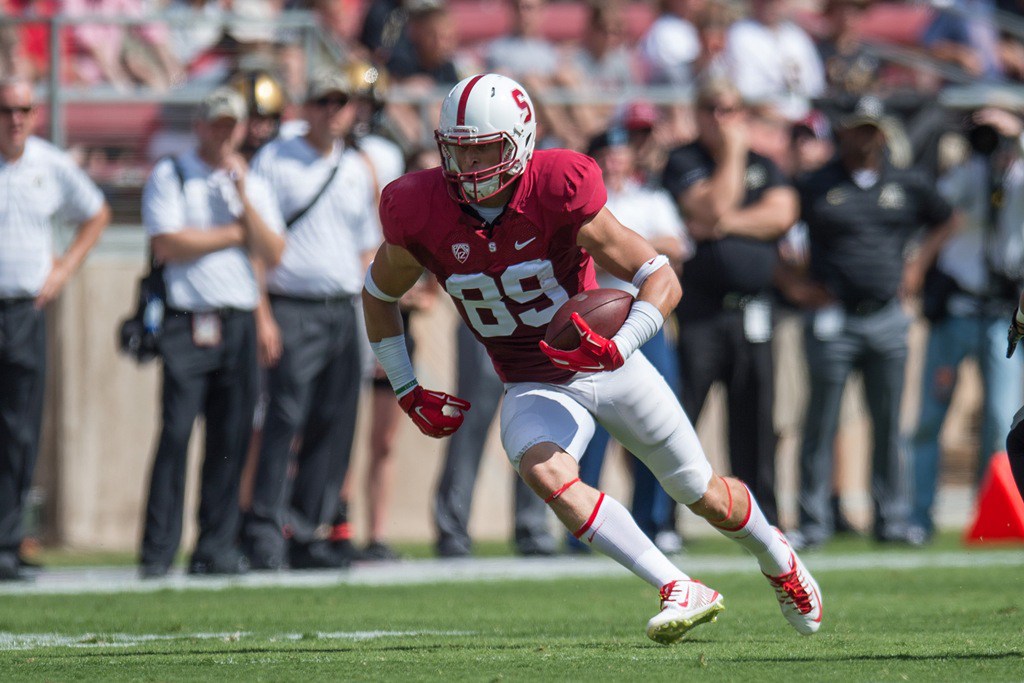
(394, 213)
(584, 192)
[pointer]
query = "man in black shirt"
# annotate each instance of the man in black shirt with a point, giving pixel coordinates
(736, 204)
(861, 212)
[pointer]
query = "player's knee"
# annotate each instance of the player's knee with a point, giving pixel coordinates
(545, 468)
(685, 479)
(718, 502)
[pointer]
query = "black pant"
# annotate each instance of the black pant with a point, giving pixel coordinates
(22, 378)
(220, 383)
(716, 349)
(314, 395)
(1015, 449)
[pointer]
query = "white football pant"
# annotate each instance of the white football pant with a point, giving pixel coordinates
(635, 405)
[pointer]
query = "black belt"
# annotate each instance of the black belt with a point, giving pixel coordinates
(865, 306)
(325, 300)
(15, 301)
(222, 312)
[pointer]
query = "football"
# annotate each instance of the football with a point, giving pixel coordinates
(604, 310)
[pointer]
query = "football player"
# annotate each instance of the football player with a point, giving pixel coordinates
(1015, 439)
(511, 234)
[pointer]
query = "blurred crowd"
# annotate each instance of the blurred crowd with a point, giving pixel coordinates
(664, 95)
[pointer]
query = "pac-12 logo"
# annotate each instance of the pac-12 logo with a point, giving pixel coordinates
(521, 100)
(460, 251)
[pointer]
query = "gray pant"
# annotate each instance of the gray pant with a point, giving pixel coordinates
(875, 344)
(22, 378)
(220, 383)
(314, 394)
(480, 385)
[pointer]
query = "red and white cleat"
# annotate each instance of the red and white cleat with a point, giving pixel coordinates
(684, 604)
(798, 595)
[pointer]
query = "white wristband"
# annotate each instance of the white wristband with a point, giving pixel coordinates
(648, 268)
(641, 325)
(393, 356)
(374, 290)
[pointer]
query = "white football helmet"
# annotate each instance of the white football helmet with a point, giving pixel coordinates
(481, 110)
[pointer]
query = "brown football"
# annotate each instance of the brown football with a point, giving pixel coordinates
(604, 310)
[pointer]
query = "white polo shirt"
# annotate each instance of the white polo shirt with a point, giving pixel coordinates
(323, 250)
(42, 186)
(221, 279)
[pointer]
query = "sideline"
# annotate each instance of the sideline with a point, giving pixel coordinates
(110, 580)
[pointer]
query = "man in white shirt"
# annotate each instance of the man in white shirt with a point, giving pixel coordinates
(38, 184)
(309, 332)
(773, 61)
(208, 220)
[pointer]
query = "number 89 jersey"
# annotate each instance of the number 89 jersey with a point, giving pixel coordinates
(507, 280)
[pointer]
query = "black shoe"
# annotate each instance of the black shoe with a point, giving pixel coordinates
(317, 555)
(915, 537)
(379, 552)
(10, 568)
(800, 542)
(231, 564)
(843, 525)
(346, 550)
(452, 551)
(153, 571)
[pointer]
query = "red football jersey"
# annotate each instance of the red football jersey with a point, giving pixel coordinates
(508, 280)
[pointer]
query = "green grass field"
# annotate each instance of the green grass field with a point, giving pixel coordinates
(942, 623)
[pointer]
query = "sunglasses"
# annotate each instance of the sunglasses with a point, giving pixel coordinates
(8, 111)
(718, 109)
(337, 101)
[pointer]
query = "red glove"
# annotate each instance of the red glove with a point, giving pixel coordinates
(426, 408)
(595, 353)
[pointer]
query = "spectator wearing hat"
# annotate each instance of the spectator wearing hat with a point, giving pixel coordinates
(651, 213)
(773, 61)
(811, 147)
(649, 140)
(40, 184)
(370, 138)
(265, 101)
(861, 212)
(737, 204)
(208, 220)
(308, 332)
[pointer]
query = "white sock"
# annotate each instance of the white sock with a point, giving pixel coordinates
(759, 537)
(613, 531)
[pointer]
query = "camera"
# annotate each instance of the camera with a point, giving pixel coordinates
(983, 138)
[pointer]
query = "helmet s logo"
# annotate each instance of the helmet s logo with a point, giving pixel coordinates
(520, 99)
(460, 251)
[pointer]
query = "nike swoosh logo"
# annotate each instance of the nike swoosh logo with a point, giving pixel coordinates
(419, 411)
(590, 539)
(520, 245)
(685, 602)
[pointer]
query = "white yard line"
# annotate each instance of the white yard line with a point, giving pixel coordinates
(411, 572)
(31, 641)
